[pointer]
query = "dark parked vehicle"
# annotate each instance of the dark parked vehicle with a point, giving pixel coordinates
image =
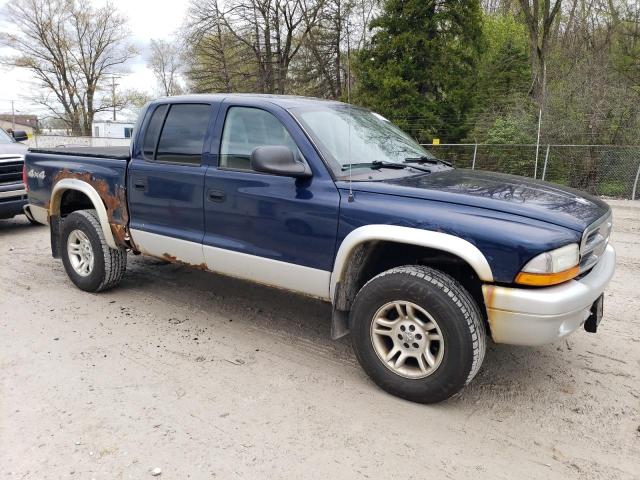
(420, 261)
(13, 195)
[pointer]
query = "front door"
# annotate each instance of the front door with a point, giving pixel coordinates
(166, 182)
(267, 228)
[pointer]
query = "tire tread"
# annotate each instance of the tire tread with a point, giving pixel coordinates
(115, 260)
(459, 296)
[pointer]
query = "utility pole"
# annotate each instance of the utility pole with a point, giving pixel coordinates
(13, 117)
(542, 102)
(113, 96)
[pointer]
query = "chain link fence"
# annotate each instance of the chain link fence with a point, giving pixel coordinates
(607, 170)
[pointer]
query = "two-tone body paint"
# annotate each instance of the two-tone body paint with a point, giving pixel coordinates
(266, 216)
(298, 234)
(279, 218)
(303, 222)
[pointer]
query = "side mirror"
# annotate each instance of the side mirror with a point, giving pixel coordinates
(20, 136)
(278, 160)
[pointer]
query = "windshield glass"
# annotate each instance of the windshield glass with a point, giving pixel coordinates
(4, 137)
(373, 138)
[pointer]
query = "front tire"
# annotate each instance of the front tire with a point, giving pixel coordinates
(90, 263)
(418, 333)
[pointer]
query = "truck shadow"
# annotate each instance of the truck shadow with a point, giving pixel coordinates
(15, 225)
(517, 373)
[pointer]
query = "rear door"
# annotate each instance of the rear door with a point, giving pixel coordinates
(166, 181)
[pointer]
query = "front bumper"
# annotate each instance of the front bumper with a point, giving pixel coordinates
(12, 198)
(521, 316)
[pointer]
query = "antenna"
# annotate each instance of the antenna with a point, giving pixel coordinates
(350, 199)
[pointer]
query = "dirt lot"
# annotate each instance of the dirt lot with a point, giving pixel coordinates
(208, 377)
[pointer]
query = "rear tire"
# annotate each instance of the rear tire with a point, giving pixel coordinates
(418, 333)
(90, 263)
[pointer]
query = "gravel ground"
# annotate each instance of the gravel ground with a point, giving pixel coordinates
(208, 377)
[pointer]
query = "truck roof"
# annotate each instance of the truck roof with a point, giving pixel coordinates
(285, 101)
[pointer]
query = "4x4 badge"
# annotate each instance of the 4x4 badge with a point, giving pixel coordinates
(39, 175)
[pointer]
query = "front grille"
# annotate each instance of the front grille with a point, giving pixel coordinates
(11, 169)
(594, 242)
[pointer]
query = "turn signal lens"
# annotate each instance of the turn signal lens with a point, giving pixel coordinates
(546, 279)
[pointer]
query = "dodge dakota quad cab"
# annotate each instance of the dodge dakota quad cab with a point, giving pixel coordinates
(13, 196)
(420, 261)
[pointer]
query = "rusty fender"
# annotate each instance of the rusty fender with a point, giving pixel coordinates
(111, 206)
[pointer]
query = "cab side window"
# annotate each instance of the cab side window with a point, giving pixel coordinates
(177, 136)
(183, 133)
(246, 128)
(153, 130)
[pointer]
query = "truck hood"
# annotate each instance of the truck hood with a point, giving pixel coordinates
(12, 148)
(522, 196)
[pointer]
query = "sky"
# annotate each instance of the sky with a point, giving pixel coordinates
(147, 19)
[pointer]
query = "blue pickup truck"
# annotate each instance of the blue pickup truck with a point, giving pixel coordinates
(420, 261)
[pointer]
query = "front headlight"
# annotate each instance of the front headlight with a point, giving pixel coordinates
(551, 268)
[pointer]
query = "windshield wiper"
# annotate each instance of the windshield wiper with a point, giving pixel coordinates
(378, 164)
(425, 159)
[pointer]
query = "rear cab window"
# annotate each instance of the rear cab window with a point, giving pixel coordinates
(176, 133)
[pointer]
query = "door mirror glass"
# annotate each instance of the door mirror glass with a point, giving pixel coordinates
(278, 160)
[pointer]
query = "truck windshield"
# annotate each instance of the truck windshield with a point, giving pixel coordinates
(356, 137)
(4, 137)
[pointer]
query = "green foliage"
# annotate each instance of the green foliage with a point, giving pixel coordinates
(503, 109)
(511, 130)
(420, 67)
(626, 49)
(613, 188)
(504, 69)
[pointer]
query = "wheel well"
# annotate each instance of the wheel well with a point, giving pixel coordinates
(73, 200)
(371, 258)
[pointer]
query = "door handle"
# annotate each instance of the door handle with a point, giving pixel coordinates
(217, 195)
(140, 185)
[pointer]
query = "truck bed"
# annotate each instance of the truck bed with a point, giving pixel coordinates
(118, 153)
(102, 169)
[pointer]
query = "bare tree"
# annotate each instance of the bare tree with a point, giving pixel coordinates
(218, 61)
(166, 63)
(321, 69)
(270, 31)
(71, 48)
(539, 19)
